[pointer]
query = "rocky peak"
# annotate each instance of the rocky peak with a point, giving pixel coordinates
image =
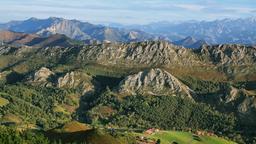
(77, 80)
(153, 82)
(69, 28)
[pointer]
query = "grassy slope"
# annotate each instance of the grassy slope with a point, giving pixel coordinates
(3, 102)
(168, 137)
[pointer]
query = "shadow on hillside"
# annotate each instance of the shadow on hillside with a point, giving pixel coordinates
(14, 77)
(88, 100)
(94, 136)
(106, 81)
(79, 137)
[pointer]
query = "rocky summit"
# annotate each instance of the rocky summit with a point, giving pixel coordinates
(153, 82)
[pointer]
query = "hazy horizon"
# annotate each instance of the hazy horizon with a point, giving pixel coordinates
(128, 12)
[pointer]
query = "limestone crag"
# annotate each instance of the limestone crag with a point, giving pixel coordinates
(153, 82)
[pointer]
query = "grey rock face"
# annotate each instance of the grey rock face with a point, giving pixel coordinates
(153, 82)
(69, 28)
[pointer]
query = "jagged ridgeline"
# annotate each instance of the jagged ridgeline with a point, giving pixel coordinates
(105, 84)
(223, 61)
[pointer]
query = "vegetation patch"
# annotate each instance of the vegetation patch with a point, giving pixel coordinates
(3, 102)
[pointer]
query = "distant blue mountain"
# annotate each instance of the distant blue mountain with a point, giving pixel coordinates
(31, 25)
(242, 31)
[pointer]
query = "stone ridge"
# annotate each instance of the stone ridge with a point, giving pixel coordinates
(150, 53)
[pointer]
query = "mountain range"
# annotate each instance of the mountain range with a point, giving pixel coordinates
(75, 29)
(232, 31)
(191, 34)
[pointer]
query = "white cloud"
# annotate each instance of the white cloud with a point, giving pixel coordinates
(190, 7)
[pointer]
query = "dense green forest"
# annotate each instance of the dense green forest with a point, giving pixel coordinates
(42, 107)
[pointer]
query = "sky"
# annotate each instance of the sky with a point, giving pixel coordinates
(127, 11)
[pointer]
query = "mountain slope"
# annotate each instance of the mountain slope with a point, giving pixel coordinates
(10, 37)
(52, 40)
(16, 38)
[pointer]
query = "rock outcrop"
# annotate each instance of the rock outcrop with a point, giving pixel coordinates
(72, 80)
(41, 77)
(153, 82)
(77, 80)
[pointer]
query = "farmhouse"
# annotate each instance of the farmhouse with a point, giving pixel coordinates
(151, 131)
